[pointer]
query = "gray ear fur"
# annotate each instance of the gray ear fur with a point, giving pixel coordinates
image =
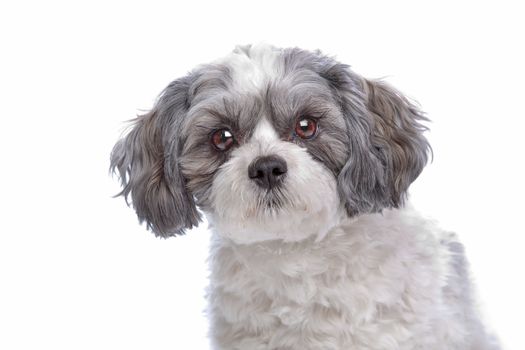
(398, 134)
(387, 149)
(145, 160)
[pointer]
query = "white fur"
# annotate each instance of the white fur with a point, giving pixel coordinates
(265, 133)
(252, 67)
(382, 281)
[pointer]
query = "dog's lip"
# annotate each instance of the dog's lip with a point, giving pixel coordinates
(272, 198)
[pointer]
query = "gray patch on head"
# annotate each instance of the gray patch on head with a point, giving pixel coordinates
(304, 93)
(385, 149)
(216, 106)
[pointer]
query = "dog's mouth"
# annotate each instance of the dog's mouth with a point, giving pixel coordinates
(267, 205)
(272, 199)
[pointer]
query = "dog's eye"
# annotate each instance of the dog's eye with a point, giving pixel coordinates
(306, 128)
(222, 139)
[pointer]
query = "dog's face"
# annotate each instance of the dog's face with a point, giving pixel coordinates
(271, 144)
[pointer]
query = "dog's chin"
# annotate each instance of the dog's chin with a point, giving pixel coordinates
(274, 218)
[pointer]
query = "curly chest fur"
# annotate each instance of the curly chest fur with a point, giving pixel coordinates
(375, 283)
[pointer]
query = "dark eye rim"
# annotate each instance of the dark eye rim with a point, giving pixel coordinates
(310, 118)
(214, 132)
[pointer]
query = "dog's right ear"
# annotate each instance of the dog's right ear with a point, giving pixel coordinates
(147, 165)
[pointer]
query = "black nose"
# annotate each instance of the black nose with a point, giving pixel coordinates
(267, 171)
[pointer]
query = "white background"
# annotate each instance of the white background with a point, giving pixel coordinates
(76, 269)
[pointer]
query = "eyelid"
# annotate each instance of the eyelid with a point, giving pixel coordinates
(313, 113)
(213, 129)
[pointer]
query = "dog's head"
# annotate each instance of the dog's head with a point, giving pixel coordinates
(271, 144)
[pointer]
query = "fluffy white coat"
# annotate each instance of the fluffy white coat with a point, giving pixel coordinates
(381, 281)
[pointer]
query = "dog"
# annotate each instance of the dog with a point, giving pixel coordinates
(302, 167)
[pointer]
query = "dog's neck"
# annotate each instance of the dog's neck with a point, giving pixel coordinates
(275, 256)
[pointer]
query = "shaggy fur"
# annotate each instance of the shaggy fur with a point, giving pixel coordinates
(330, 258)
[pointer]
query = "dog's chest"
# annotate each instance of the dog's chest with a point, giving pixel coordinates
(346, 291)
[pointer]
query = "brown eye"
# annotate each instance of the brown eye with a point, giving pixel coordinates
(306, 128)
(222, 139)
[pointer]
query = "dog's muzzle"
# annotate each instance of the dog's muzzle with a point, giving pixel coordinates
(268, 171)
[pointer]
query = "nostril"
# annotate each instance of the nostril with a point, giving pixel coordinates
(259, 174)
(278, 171)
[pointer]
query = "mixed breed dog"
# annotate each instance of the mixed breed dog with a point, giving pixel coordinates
(302, 167)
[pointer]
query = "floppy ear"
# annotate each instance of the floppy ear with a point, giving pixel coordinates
(387, 149)
(146, 161)
(397, 133)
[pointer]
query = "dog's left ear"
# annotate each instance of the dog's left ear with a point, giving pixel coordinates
(387, 148)
(398, 135)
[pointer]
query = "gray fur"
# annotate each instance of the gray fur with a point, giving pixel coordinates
(387, 146)
(385, 149)
(398, 134)
(370, 136)
(146, 162)
(214, 107)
